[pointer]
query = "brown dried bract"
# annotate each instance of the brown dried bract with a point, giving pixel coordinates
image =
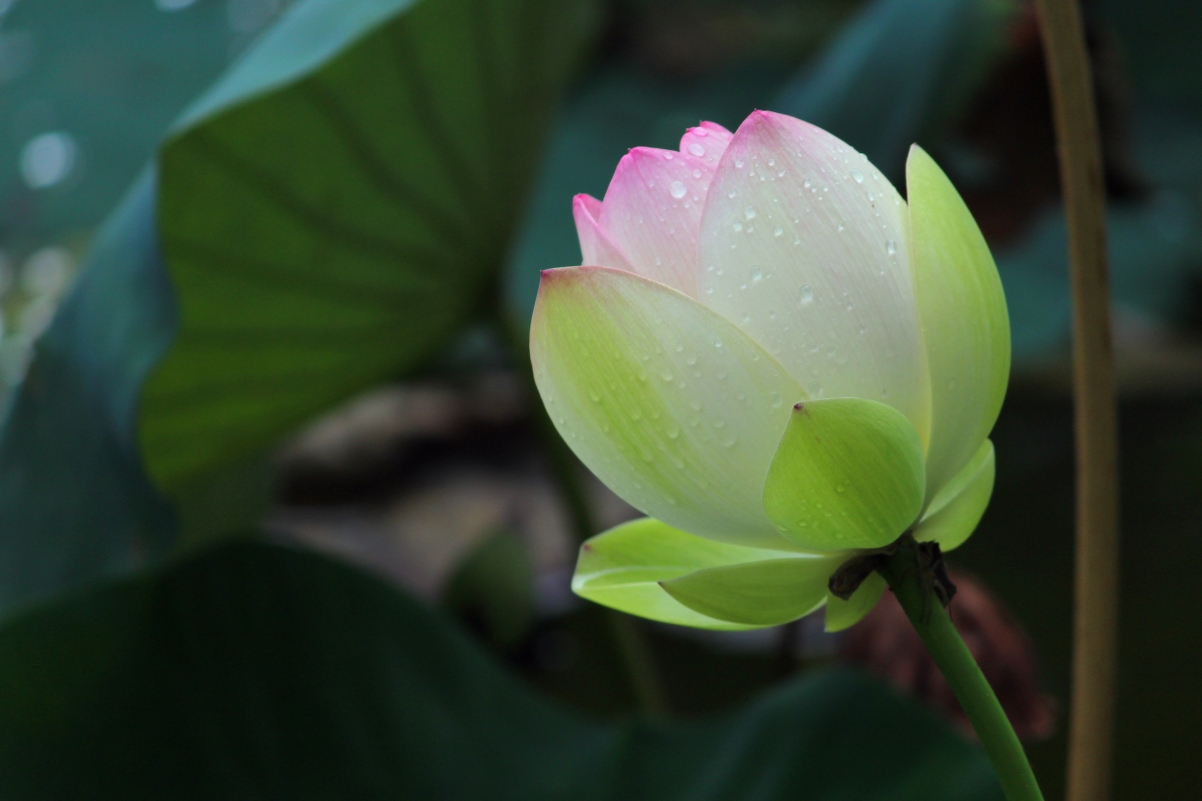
(886, 644)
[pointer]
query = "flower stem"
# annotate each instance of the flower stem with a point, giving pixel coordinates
(910, 578)
(1083, 186)
(631, 645)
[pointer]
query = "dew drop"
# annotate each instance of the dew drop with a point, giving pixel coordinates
(677, 190)
(840, 227)
(667, 157)
(807, 183)
(696, 173)
(739, 164)
(697, 149)
(859, 176)
(890, 247)
(691, 360)
(771, 162)
(738, 226)
(776, 400)
(749, 212)
(778, 231)
(807, 295)
(757, 274)
(732, 194)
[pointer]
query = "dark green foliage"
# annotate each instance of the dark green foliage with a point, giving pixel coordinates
(255, 671)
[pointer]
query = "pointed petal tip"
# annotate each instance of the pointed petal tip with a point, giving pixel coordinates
(587, 203)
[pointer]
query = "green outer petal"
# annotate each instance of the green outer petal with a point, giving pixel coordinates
(623, 567)
(842, 614)
(963, 311)
(670, 404)
(848, 474)
(763, 593)
(954, 513)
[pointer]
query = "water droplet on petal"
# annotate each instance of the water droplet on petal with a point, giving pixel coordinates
(677, 190)
(807, 295)
(697, 149)
(859, 176)
(749, 212)
(890, 247)
(696, 173)
(757, 274)
(739, 164)
(738, 226)
(776, 400)
(732, 194)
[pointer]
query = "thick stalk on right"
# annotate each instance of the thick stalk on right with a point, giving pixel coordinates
(1095, 635)
(910, 576)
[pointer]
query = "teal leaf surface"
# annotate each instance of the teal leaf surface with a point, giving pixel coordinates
(74, 499)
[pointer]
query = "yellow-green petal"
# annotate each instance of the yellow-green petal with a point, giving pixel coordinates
(848, 474)
(954, 513)
(760, 593)
(841, 614)
(623, 567)
(962, 309)
(667, 402)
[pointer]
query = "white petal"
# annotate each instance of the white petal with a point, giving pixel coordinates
(670, 405)
(803, 245)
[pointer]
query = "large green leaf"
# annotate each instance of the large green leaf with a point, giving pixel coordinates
(337, 207)
(260, 672)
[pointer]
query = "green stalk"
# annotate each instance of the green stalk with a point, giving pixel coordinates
(910, 576)
(628, 638)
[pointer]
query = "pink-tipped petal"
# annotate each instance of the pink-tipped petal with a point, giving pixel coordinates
(596, 248)
(804, 246)
(652, 211)
(707, 141)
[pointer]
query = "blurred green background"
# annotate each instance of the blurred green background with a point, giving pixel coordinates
(277, 515)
